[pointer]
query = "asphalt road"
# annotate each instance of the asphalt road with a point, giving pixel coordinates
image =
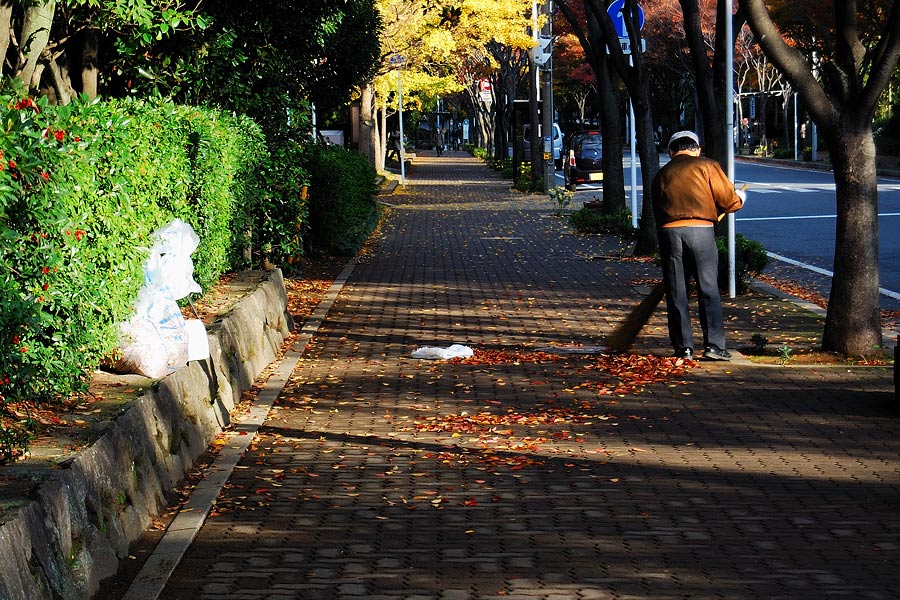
(791, 211)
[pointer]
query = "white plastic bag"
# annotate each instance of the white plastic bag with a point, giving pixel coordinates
(155, 340)
(454, 351)
(169, 266)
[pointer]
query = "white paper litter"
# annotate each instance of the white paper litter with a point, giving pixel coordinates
(454, 351)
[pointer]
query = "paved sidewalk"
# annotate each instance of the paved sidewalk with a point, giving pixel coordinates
(530, 475)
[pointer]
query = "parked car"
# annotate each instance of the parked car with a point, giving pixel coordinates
(557, 143)
(584, 159)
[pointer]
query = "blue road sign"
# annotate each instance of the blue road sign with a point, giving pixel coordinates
(618, 18)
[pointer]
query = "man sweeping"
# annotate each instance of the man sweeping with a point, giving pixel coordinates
(689, 195)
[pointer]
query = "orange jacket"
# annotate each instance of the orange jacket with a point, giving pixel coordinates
(692, 188)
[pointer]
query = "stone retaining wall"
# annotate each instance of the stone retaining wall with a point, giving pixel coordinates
(65, 527)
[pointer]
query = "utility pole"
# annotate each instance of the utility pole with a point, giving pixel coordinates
(534, 137)
(729, 159)
(547, 99)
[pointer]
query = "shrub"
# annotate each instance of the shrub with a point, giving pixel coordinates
(590, 220)
(523, 181)
(82, 189)
(281, 214)
(750, 260)
(887, 133)
(561, 197)
(342, 209)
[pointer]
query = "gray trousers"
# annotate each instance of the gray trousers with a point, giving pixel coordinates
(690, 252)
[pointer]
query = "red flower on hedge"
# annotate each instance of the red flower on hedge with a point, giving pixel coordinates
(58, 134)
(27, 103)
(79, 233)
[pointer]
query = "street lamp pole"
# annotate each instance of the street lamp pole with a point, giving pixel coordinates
(402, 145)
(547, 101)
(398, 61)
(729, 127)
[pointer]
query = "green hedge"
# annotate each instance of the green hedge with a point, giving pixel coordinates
(750, 259)
(83, 187)
(591, 220)
(342, 209)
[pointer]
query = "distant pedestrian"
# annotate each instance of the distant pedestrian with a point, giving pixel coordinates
(439, 141)
(393, 145)
(689, 194)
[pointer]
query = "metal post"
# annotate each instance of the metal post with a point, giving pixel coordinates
(632, 135)
(729, 127)
(796, 131)
(815, 133)
(402, 145)
(547, 101)
(632, 139)
(534, 88)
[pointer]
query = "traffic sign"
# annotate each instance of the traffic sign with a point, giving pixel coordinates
(543, 51)
(626, 45)
(397, 59)
(485, 90)
(618, 17)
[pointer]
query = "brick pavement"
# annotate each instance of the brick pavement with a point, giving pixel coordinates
(379, 476)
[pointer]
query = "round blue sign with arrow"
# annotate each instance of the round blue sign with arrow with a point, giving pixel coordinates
(617, 15)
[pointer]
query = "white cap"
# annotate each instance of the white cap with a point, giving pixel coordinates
(684, 134)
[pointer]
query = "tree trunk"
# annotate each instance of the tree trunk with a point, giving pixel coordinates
(853, 320)
(90, 64)
(647, 242)
(380, 139)
(611, 124)
(6, 13)
(367, 123)
(843, 110)
(534, 132)
(36, 24)
(710, 80)
(62, 87)
(634, 75)
(612, 130)
(502, 124)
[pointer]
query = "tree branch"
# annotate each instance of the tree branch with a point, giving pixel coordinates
(791, 62)
(884, 58)
(577, 29)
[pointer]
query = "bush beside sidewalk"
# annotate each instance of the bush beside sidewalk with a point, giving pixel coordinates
(68, 515)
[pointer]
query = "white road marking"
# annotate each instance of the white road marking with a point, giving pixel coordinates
(814, 269)
(804, 217)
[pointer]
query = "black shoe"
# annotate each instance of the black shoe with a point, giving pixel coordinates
(685, 353)
(713, 353)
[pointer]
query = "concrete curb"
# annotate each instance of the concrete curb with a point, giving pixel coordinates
(81, 515)
(889, 336)
(152, 579)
